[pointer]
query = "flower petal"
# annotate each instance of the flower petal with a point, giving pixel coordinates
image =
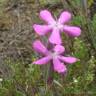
(39, 47)
(55, 37)
(69, 60)
(43, 60)
(72, 30)
(46, 16)
(58, 66)
(59, 49)
(41, 29)
(64, 17)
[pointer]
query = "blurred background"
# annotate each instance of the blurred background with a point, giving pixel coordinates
(18, 77)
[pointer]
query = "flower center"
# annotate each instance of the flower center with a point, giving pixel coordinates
(57, 25)
(54, 55)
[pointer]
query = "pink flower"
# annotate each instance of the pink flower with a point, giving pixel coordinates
(54, 55)
(56, 26)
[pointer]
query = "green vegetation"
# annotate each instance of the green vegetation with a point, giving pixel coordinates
(20, 77)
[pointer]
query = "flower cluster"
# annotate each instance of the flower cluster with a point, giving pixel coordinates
(55, 28)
